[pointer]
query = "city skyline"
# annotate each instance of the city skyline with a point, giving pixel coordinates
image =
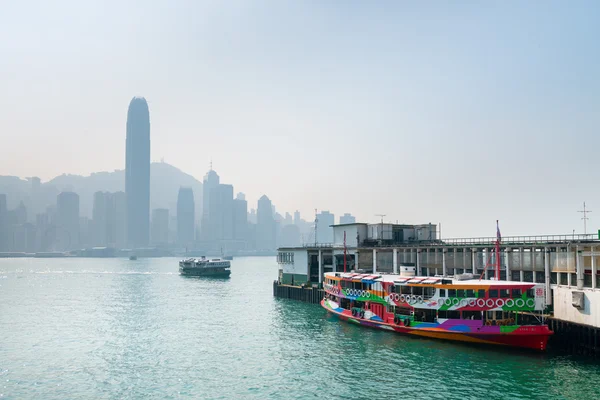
(460, 115)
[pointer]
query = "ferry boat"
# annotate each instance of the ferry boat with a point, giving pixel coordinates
(215, 267)
(461, 308)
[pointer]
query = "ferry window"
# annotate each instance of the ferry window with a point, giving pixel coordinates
(418, 291)
(470, 293)
(405, 289)
(504, 293)
(442, 292)
(451, 292)
(530, 293)
(481, 293)
(428, 292)
(494, 293)
(516, 293)
(460, 293)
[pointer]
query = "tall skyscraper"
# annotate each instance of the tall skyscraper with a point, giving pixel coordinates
(221, 214)
(347, 219)
(265, 225)
(185, 217)
(240, 219)
(137, 173)
(160, 226)
(67, 221)
(211, 181)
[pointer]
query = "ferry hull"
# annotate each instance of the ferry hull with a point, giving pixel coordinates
(529, 337)
(212, 272)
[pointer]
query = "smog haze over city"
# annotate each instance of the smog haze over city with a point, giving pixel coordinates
(460, 114)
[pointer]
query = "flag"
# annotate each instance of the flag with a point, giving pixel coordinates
(498, 236)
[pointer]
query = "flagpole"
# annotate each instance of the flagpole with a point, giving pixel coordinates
(344, 251)
(498, 238)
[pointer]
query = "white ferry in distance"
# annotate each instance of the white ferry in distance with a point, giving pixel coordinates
(216, 267)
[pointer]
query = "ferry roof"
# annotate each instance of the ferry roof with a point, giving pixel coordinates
(401, 280)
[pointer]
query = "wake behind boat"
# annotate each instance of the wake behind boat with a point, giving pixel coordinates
(215, 267)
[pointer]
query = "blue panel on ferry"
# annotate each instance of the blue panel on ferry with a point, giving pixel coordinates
(460, 328)
(427, 325)
(376, 318)
(371, 281)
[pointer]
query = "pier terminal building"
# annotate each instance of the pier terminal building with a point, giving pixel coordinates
(566, 264)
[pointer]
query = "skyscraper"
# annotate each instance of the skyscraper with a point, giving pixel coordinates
(240, 220)
(185, 217)
(211, 181)
(265, 225)
(324, 230)
(347, 219)
(137, 173)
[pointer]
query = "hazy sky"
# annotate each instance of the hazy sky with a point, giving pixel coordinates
(453, 112)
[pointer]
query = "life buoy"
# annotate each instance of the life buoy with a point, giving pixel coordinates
(406, 322)
(510, 303)
(488, 323)
(402, 298)
(362, 313)
(362, 293)
(367, 294)
(448, 301)
(530, 303)
(413, 299)
(455, 301)
(463, 302)
(472, 302)
(520, 303)
(480, 303)
(397, 320)
(353, 312)
(420, 299)
(489, 303)
(499, 302)
(397, 297)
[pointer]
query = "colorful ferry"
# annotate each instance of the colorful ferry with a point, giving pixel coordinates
(461, 308)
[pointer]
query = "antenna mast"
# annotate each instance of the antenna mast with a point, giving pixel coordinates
(585, 218)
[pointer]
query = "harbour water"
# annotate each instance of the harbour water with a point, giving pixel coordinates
(129, 329)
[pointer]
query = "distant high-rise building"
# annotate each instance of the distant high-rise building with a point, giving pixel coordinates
(67, 221)
(221, 214)
(107, 227)
(160, 226)
(265, 225)
(324, 230)
(99, 219)
(297, 217)
(185, 217)
(290, 236)
(211, 181)
(120, 219)
(137, 173)
(347, 219)
(240, 219)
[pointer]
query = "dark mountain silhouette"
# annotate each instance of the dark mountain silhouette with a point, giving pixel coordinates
(165, 181)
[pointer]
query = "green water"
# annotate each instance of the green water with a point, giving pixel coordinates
(121, 329)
